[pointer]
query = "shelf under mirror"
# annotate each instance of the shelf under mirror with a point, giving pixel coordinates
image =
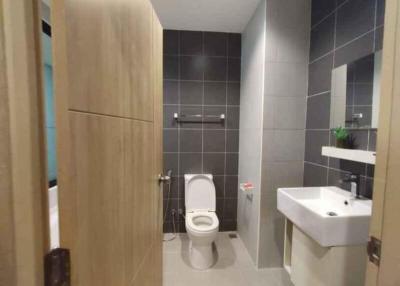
(361, 156)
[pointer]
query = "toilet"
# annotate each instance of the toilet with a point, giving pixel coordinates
(201, 220)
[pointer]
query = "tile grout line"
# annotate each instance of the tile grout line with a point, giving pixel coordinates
(197, 80)
(328, 15)
(177, 228)
(333, 169)
(226, 114)
(342, 46)
(202, 109)
(333, 66)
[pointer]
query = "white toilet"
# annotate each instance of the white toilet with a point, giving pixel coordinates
(201, 220)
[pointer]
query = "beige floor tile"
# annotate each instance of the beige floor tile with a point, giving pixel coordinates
(234, 266)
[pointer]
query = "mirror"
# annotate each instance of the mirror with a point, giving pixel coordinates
(356, 93)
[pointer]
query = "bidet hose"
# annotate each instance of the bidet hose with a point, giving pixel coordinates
(169, 173)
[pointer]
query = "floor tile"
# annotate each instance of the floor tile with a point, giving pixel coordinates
(233, 267)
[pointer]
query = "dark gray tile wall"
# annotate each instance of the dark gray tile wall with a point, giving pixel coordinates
(342, 32)
(202, 76)
(360, 83)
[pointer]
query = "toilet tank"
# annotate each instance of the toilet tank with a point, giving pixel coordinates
(199, 193)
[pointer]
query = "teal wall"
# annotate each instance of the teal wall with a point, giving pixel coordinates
(49, 101)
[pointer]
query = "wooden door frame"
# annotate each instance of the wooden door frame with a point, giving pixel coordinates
(23, 179)
(383, 187)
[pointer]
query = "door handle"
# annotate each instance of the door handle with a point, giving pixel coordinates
(164, 179)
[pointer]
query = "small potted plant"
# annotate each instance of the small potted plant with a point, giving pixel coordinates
(342, 137)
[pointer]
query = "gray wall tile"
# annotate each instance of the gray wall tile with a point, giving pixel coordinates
(232, 141)
(190, 140)
(380, 13)
(357, 35)
(191, 43)
(314, 142)
(214, 141)
(215, 44)
(228, 225)
(230, 209)
(215, 93)
(233, 93)
(318, 111)
(191, 92)
(234, 69)
(284, 112)
(315, 176)
(372, 141)
(361, 138)
(215, 69)
(283, 145)
(231, 186)
(171, 162)
(232, 160)
(322, 38)
(234, 45)
(171, 92)
(233, 117)
(347, 166)
(214, 163)
(171, 67)
(170, 141)
(190, 163)
(197, 66)
(354, 18)
(355, 50)
(320, 75)
(191, 67)
(286, 79)
(321, 9)
(219, 182)
(171, 42)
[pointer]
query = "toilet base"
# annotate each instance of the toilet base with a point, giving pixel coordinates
(201, 256)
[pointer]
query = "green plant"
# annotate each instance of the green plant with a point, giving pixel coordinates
(341, 133)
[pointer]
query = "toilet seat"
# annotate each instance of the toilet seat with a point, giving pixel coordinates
(202, 222)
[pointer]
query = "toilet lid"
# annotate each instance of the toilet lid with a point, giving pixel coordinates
(200, 193)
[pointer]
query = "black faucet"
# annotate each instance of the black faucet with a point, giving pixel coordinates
(354, 180)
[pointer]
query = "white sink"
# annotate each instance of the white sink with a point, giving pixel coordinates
(311, 210)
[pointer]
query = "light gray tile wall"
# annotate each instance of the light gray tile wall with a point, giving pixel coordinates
(250, 137)
(287, 47)
(272, 120)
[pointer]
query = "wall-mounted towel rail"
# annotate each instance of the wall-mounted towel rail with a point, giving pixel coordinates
(199, 118)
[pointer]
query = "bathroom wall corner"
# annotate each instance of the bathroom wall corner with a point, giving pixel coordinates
(251, 128)
(284, 117)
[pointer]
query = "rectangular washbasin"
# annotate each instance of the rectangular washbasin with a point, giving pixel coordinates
(327, 214)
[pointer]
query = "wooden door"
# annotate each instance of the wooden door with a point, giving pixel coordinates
(108, 69)
(386, 202)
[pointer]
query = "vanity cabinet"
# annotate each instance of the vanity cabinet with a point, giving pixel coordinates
(311, 264)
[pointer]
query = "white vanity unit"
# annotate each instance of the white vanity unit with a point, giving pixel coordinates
(326, 236)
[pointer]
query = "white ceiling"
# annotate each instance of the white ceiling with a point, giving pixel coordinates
(205, 15)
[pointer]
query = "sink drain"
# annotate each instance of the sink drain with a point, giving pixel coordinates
(332, 214)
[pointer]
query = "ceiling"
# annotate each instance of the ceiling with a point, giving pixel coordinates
(205, 15)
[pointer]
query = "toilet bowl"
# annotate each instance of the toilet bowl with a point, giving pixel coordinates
(201, 221)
